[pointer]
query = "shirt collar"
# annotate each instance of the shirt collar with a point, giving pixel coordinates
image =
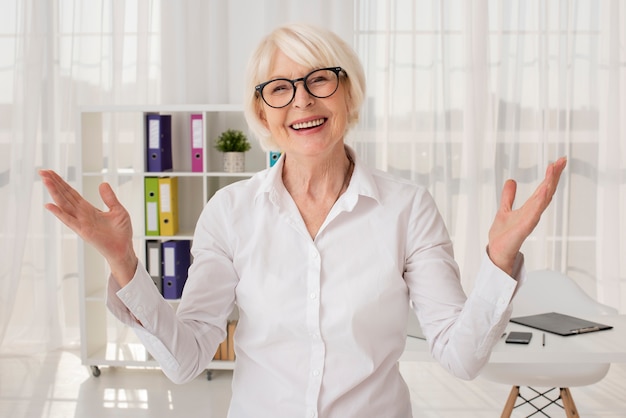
(362, 182)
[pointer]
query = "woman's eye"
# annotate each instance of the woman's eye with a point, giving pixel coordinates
(318, 80)
(279, 88)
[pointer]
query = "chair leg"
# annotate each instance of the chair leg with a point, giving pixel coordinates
(510, 402)
(568, 403)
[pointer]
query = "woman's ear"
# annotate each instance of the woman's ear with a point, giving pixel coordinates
(262, 118)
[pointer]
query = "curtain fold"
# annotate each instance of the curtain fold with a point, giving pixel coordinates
(478, 147)
(31, 128)
(611, 201)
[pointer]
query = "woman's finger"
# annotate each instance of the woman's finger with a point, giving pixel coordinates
(508, 195)
(108, 196)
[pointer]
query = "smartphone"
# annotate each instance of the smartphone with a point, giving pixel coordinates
(519, 337)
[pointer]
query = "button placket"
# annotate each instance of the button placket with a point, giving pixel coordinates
(316, 365)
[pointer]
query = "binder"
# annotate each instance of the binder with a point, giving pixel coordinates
(176, 261)
(168, 205)
(224, 350)
(197, 143)
(273, 157)
(159, 142)
(232, 325)
(154, 262)
(218, 352)
(151, 202)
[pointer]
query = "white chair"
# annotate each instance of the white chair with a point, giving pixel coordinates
(549, 291)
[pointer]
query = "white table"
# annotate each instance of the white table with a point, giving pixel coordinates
(603, 346)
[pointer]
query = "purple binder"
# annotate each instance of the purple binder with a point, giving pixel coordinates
(159, 142)
(176, 258)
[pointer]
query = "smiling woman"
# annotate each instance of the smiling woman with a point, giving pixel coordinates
(319, 330)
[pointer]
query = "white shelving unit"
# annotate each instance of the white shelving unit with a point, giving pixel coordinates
(111, 148)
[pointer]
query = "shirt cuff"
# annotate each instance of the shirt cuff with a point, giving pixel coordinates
(134, 303)
(497, 287)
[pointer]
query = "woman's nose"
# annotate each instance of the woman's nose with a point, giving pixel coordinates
(302, 98)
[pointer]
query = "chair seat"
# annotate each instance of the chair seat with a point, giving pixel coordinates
(545, 374)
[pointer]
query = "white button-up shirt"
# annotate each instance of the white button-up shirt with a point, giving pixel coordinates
(322, 322)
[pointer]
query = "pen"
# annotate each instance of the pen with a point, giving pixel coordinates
(543, 340)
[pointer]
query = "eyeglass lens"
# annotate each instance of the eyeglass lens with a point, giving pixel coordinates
(320, 83)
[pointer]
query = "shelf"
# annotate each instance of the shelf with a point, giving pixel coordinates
(112, 148)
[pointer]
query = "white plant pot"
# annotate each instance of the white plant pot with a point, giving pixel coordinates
(234, 162)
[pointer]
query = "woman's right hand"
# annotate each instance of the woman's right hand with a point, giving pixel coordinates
(109, 232)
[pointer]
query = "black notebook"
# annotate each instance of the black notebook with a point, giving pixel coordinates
(560, 324)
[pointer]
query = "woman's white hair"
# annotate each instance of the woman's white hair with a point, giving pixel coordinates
(311, 47)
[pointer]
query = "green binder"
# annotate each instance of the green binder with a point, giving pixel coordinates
(152, 205)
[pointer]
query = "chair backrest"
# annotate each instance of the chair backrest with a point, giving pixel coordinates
(552, 291)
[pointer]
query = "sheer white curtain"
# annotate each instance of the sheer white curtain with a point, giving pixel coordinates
(465, 94)
(462, 95)
(59, 55)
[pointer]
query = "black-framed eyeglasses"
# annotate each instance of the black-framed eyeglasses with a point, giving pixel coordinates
(320, 83)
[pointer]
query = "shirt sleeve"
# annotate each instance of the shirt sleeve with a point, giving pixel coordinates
(138, 305)
(182, 347)
(461, 330)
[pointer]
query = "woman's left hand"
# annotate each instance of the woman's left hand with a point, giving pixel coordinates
(511, 227)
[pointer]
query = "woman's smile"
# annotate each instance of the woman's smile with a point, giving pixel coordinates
(308, 124)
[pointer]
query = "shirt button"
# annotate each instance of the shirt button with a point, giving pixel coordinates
(313, 295)
(139, 308)
(312, 414)
(316, 372)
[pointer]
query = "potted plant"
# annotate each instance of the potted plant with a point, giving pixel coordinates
(233, 143)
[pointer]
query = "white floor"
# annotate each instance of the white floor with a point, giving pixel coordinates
(55, 385)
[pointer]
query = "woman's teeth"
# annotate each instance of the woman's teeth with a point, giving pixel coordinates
(309, 124)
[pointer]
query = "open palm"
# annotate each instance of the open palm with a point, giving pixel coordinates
(511, 227)
(110, 232)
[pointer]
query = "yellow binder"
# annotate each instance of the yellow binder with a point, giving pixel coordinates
(151, 201)
(168, 208)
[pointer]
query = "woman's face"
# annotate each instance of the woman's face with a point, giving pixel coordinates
(308, 126)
